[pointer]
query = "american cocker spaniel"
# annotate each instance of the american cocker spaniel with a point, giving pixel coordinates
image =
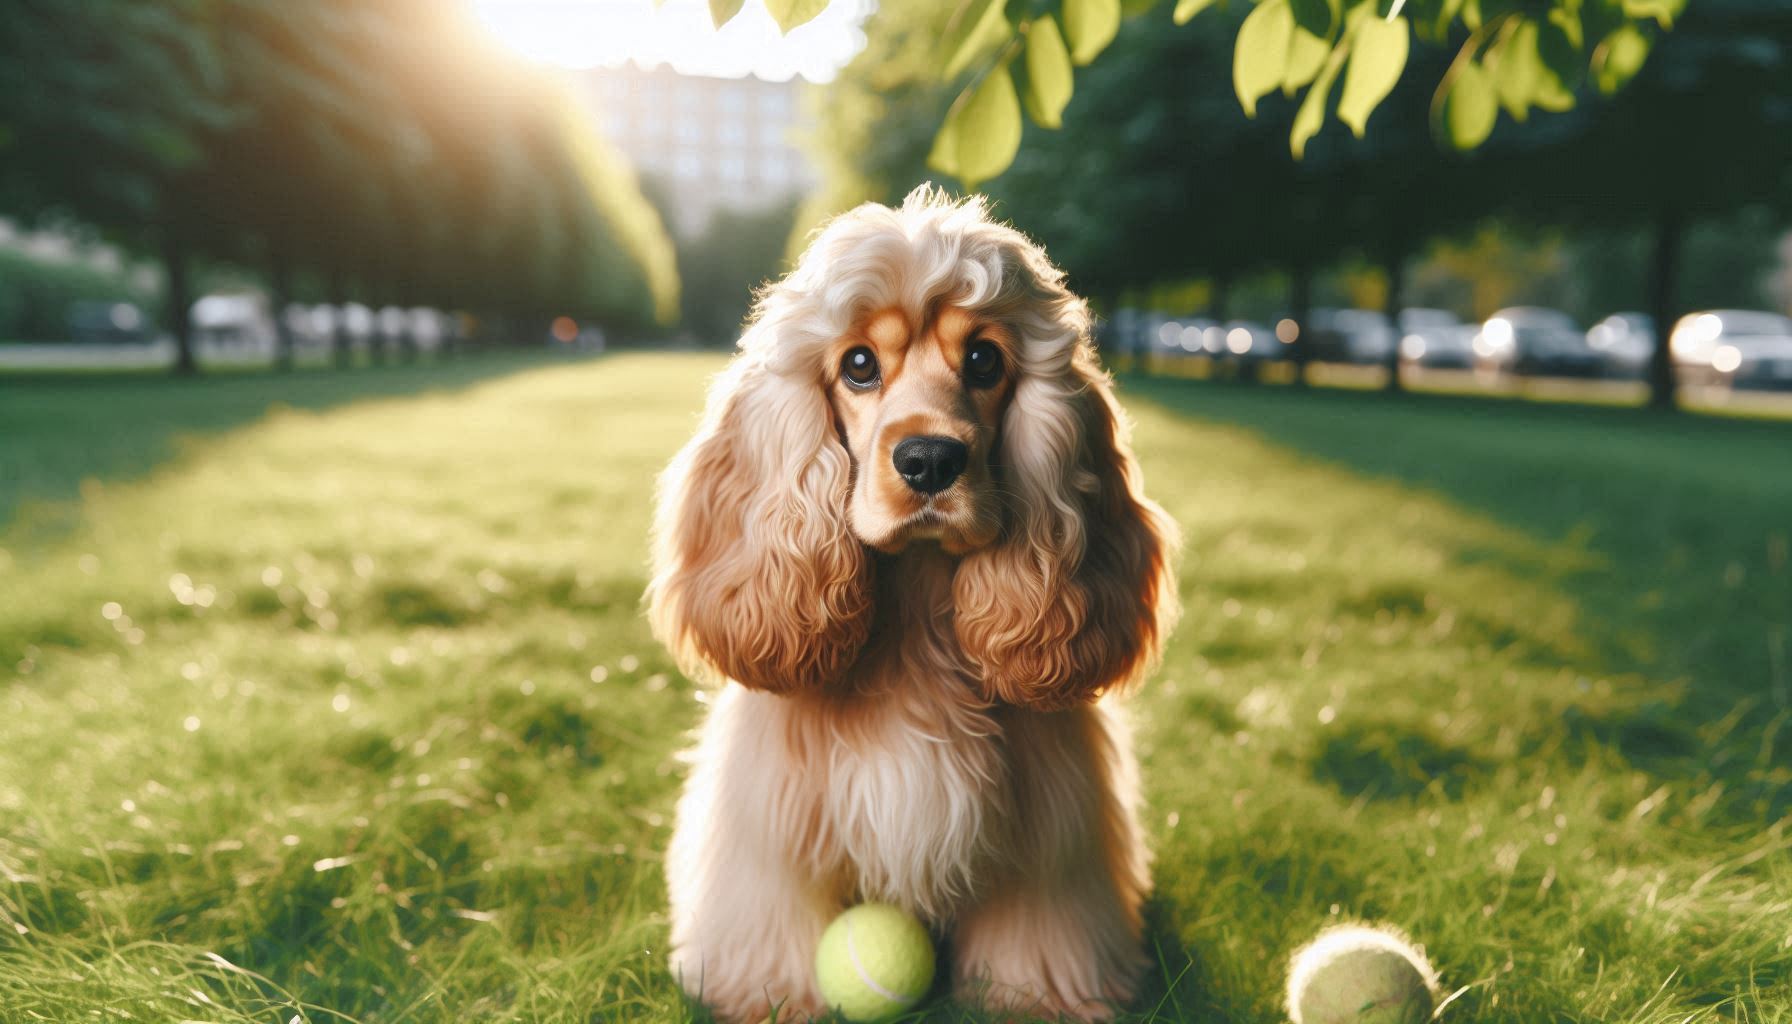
(909, 540)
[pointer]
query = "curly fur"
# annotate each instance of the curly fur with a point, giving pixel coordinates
(906, 715)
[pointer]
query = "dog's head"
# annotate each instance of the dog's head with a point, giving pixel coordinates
(922, 377)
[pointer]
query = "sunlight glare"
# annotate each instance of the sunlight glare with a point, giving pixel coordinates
(599, 33)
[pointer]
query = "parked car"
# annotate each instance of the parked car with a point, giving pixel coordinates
(1435, 338)
(1194, 335)
(1246, 340)
(1190, 336)
(107, 323)
(1165, 336)
(1349, 336)
(1734, 348)
(238, 324)
(310, 327)
(1625, 340)
(1534, 342)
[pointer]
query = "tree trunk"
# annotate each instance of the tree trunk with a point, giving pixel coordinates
(178, 295)
(379, 343)
(339, 340)
(280, 283)
(1664, 266)
(1395, 268)
(448, 343)
(407, 340)
(1244, 366)
(1300, 310)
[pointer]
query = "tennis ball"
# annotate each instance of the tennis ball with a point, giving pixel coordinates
(1357, 974)
(874, 962)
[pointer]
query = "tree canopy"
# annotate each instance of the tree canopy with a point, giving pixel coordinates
(1151, 175)
(384, 150)
(1000, 57)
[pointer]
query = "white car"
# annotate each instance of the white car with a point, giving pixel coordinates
(1361, 336)
(1626, 341)
(234, 325)
(1435, 338)
(1734, 348)
(1534, 342)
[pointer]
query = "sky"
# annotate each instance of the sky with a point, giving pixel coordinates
(605, 33)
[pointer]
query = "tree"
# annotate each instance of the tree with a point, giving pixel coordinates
(1152, 177)
(102, 105)
(1704, 130)
(1003, 56)
(722, 268)
(381, 148)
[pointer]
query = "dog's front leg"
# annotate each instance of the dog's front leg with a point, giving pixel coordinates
(747, 913)
(1059, 936)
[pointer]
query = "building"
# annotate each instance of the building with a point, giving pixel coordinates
(711, 143)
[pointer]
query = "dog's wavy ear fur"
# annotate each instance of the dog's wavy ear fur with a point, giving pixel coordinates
(756, 575)
(1076, 597)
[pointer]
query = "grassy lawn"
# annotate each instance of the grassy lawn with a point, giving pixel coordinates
(60, 429)
(349, 712)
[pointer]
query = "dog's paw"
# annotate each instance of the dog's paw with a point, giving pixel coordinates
(1033, 1000)
(751, 998)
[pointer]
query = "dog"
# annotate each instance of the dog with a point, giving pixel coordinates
(910, 541)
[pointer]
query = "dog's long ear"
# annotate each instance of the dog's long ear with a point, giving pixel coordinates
(756, 575)
(1076, 597)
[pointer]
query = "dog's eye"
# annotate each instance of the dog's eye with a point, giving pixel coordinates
(983, 364)
(859, 367)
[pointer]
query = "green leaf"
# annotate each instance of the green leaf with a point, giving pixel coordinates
(1470, 107)
(1134, 8)
(1050, 80)
(1306, 55)
(1260, 57)
(1663, 11)
(981, 133)
(721, 11)
(1567, 20)
(1564, 63)
(975, 26)
(1090, 25)
(1378, 50)
(1516, 67)
(791, 13)
(1439, 25)
(1311, 115)
(1618, 57)
(1186, 9)
(1316, 16)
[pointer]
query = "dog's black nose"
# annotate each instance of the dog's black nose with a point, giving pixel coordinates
(930, 464)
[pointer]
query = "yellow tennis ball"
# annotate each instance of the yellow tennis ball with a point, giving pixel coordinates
(874, 962)
(1356, 974)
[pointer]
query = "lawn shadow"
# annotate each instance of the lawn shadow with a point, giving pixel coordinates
(62, 429)
(1176, 986)
(1385, 762)
(1668, 533)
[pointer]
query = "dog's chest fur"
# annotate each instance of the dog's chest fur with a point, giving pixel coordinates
(908, 780)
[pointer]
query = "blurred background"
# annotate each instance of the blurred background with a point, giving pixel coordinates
(247, 184)
(342, 340)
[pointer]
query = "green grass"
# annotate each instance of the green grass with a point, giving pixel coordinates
(349, 712)
(60, 429)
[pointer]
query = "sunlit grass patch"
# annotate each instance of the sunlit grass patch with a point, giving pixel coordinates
(352, 711)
